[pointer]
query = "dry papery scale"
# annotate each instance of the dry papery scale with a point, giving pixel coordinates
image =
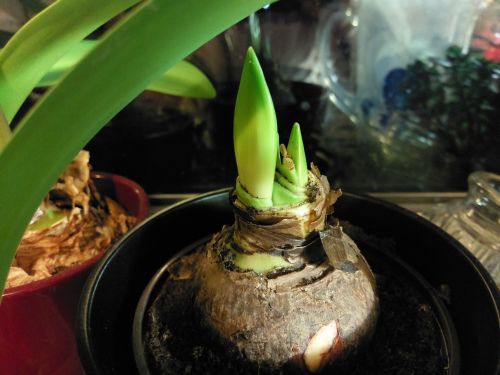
(73, 224)
(283, 287)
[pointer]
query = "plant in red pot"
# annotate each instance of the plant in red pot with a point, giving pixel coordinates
(81, 217)
(89, 90)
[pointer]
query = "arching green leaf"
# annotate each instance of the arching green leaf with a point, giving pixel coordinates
(183, 79)
(149, 40)
(36, 47)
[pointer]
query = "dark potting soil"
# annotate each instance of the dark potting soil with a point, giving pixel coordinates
(407, 341)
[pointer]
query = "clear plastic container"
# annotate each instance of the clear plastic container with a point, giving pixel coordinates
(475, 220)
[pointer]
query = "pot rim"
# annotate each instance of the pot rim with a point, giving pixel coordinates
(85, 336)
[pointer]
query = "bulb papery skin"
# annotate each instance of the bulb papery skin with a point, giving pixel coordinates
(296, 221)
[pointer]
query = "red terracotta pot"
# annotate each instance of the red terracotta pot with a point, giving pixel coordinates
(37, 319)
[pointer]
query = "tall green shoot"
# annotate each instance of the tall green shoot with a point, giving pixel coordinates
(255, 136)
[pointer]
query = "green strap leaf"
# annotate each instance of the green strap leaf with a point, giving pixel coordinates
(66, 62)
(255, 133)
(149, 40)
(5, 133)
(183, 79)
(44, 40)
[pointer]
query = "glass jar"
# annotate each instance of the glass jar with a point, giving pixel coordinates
(475, 220)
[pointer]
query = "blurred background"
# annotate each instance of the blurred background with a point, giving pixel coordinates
(392, 96)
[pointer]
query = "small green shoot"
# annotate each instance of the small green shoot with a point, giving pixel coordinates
(291, 171)
(49, 218)
(298, 155)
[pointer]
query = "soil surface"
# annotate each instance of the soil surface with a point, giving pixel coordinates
(407, 341)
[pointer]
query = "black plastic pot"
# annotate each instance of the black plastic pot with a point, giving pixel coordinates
(428, 256)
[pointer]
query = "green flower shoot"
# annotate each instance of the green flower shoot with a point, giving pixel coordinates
(255, 136)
